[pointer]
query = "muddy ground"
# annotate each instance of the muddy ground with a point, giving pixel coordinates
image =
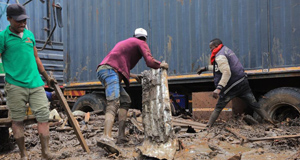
(217, 143)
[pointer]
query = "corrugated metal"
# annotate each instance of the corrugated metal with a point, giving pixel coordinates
(52, 55)
(263, 33)
(38, 12)
(284, 32)
(93, 28)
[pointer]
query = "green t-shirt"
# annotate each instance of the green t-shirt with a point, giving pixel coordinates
(18, 59)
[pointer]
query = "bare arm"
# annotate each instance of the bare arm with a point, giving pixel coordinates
(38, 61)
(50, 80)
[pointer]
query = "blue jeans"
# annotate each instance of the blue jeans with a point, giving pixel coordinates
(113, 90)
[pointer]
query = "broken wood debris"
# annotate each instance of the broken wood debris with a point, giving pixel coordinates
(87, 117)
(242, 138)
(138, 125)
(183, 122)
(245, 139)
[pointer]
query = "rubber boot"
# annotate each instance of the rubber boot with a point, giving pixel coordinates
(21, 144)
(213, 117)
(108, 125)
(46, 155)
(122, 125)
(106, 141)
(263, 114)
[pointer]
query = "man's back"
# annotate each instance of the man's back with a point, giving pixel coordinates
(126, 54)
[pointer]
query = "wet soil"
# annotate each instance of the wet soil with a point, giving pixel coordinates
(216, 143)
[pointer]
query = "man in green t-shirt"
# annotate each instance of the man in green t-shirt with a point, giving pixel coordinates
(23, 83)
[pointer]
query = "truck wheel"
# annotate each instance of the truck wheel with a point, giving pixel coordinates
(90, 102)
(282, 103)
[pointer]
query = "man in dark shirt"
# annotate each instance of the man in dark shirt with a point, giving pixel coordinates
(230, 80)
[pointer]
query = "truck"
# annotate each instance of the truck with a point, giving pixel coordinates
(264, 34)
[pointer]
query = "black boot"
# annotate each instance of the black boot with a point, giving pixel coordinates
(213, 117)
(263, 114)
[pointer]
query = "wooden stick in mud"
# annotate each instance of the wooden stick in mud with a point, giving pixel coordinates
(71, 118)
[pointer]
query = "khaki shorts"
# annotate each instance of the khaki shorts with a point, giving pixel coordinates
(17, 97)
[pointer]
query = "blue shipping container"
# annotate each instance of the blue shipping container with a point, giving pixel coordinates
(263, 33)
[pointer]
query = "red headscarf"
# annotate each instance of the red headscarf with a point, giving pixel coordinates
(214, 52)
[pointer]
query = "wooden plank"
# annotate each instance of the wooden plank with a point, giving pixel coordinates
(30, 119)
(6, 122)
(186, 125)
(72, 120)
(245, 139)
(191, 123)
(2, 107)
(273, 138)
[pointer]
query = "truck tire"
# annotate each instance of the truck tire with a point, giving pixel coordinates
(90, 102)
(282, 103)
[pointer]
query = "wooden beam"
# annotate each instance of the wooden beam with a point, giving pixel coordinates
(72, 120)
(273, 138)
(6, 122)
